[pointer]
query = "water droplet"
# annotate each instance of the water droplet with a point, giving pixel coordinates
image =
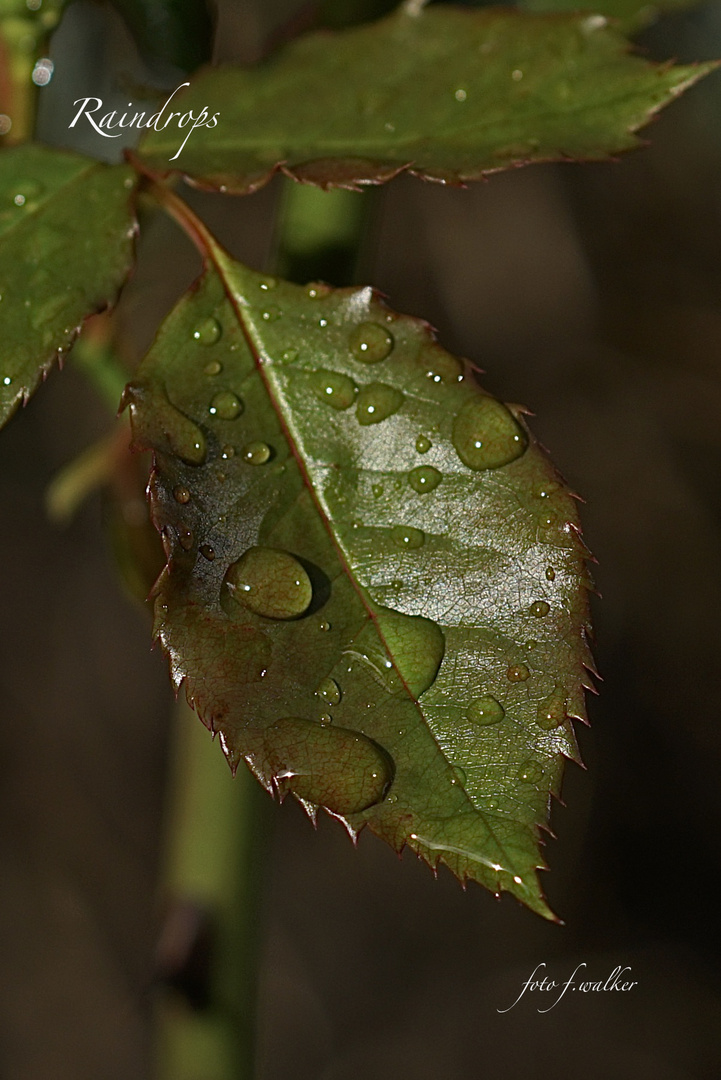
(318, 289)
(334, 388)
(270, 314)
(267, 283)
(552, 711)
(539, 608)
(256, 453)
(370, 343)
(550, 573)
(416, 644)
(270, 583)
(213, 368)
(460, 95)
(486, 710)
(228, 451)
(517, 673)
(408, 537)
(327, 765)
(207, 552)
(517, 75)
(181, 494)
(326, 718)
(424, 478)
(377, 490)
(19, 200)
(459, 776)
(289, 355)
(486, 436)
(7, 381)
(330, 691)
(187, 441)
(440, 365)
(208, 332)
(324, 627)
(185, 539)
(226, 405)
(322, 323)
(531, 772)
(423, 444)
(376, 402)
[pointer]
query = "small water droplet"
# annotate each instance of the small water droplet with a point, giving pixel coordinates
(330, 691)
(552, 711)
(550, 573)
(324, 627)
(289, 355)
(376, 402)
(185, 539)
(270, 583)
(228, 451)
(459, 776)
(19, 200)
(226, 405)
(318, 289)
(7, 381)
(213, 368)
(267, 283)
(208, 332)
(486, 710)
(539, 608)
(517, 673)
(408, 537)
(377, 491)
(460, 95)
(333, 388)
(423, 444)
(207, 552)
(256, 453)
(181, 494)
(370, 342)
(424, 478)
(271, 313)
(486, 436)
(322, 323)
(517, 75)
(326, 718)
(440, 365)
(531, 772)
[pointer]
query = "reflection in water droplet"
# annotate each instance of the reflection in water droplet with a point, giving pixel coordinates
(181, 494)
(324, 626)
(424, 478)
(289, 355)
(228, 451)
(267, 283)
(408, 537)
(376, 402)
(330, 691)
(207, 552)
(552, 712)
(19, 200)
(416, 645)
(459, 775)
(213, 368)
(256, 453)
(185, 539)
(486, 710)
(326, 718)
(517, 673)
(271, 313)
(531, 772)
(377, 490)
(539, 608)
(328, 765)
(7, 381)
(370, 342)
(440, 365)
(550, 573)
(486, 436)
(226, 405)
(270, 583)
(208, 332)
(334, 388)
(423, 444)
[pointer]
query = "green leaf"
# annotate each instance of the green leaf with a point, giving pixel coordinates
(375, 589)
(631, 15)
(450, 95)
(178, 31)
(66, 232)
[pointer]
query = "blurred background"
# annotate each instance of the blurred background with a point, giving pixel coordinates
(593, 295)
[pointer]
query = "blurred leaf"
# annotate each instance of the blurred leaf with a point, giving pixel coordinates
(450, 95)
(355, 531)
(631, 15)
(178, 31)
(66, 245)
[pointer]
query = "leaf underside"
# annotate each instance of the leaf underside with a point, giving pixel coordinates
(66, 246)
(370, 622)
(450, 95)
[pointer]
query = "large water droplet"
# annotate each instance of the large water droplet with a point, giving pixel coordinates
(334, 388)
(424, 478)
(486, 710)
(423, 444)
(552, 712)
(539, 608)
(256, 453)
(330, 691)
(327, 765)
(370, 342)
(416, 645)
(408, 537)
(377, 402)
(517, 673)
(270, 583)
(208, 332)
(486, 436)
(226, 405)
(440, 365)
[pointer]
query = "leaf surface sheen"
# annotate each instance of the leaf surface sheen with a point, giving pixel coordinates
(66, 245)
(449, 94)
(370, 622)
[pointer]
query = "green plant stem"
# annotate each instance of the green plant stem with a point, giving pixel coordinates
(95, 357)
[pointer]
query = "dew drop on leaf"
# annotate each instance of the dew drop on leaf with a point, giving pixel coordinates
(207, 552)
(552, 712)
(370, 342)
(326, 718)
(439, 365)
(408, 537)
(181, 494)
(423, 444)
(185, 539)
(424, 478)
(228, 451)
(329, 766)
(539, 608)
(330, 691)
(333, 388)
(256, 453)
(208, 332)
(531, 772)
(324, 626)
(226, 405)
(517, 673)
(550, 573)
(416, 644)
(213, 368)
(486, 710)
(270, 583)
(486, 436)
(271, 314)
(376, 402)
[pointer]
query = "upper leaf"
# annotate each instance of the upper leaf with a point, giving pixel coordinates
(178, 31)
(66, 238)
(449, 94)
(356, 533)
(632, 15)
